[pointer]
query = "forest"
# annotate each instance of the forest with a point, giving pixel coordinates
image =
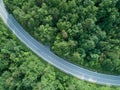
(21, 69)
(84, 32)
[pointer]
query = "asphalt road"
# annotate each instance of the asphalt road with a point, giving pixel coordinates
(43, 52)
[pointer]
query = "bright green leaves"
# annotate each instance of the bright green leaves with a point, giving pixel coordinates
(82, 31)
(88, 23)
(47, 34)
(63, 25)
(88, 45)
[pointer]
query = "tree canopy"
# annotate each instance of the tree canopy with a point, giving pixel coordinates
(85, 32)
(20, 69)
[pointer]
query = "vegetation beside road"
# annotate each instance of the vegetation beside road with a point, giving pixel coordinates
(20, 69)
(85, 32)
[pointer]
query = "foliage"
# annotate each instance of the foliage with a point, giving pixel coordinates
(20, 69)
(85, 32)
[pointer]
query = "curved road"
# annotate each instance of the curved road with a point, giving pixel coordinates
(53, 59)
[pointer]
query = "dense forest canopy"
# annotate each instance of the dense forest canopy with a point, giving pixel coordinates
(20, 69)
(85, 32)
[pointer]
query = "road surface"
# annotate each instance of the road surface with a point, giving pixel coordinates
(53, 59)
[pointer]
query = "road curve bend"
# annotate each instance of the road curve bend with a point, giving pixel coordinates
(50, 57)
